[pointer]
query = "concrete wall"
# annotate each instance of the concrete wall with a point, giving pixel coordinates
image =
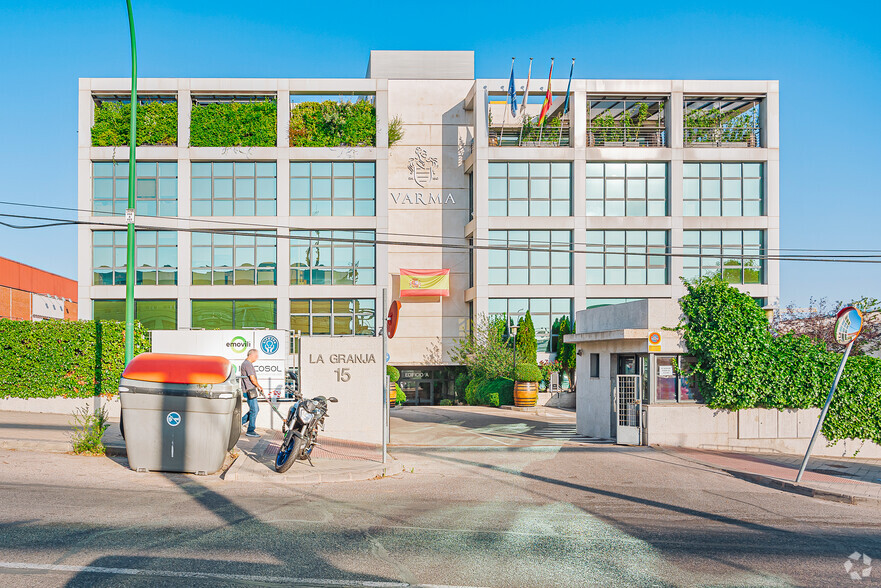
(60, 405)
(755, 429)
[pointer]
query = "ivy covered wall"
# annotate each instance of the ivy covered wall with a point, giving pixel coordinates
(157, 124)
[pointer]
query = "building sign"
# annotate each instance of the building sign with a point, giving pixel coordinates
(350, 368)
(232, 345)
(422, 170)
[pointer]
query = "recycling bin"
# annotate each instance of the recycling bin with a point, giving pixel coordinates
(180, 413)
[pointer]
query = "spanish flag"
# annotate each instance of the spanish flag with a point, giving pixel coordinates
(421, 282)
(548, 98)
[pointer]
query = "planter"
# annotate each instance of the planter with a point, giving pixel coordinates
(392, 394)
(525, 393)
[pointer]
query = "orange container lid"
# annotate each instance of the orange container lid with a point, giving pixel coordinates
(171, 368)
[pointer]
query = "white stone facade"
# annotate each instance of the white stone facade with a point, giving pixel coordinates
(446, 115)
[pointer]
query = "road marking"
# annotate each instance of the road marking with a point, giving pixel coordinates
(211, 576)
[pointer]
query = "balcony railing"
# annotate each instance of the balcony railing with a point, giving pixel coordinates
(530, 136)
(626, 137)
(735, 136)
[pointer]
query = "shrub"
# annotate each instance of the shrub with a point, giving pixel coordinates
(234, 124)
(156, 124)
(331, 124)
(484, 351)
(88, 431)
(395, 130)
(527, 372)
(70, 359)
(471, 391)
(446, 402)
(400, 398)
(739, 364)
(393, 373)
(460, 384)
(525, 339)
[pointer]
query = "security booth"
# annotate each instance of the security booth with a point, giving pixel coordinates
(627, 361)
(180, 413)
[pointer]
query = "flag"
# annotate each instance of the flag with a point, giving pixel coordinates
(512, 94)
(569, 87)
(547, 103)
(420, 282)
(526, 90)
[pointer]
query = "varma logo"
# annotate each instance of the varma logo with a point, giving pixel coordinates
(238, 344)
(269, 344)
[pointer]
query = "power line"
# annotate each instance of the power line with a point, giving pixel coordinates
(822, 252)
(645, 251)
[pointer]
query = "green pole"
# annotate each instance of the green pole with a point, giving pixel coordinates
(130, 212)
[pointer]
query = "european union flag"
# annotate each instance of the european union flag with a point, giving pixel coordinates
(512, 94)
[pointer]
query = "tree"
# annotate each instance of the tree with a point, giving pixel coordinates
(818, 319)
(485, 351)
(567, 356)
(525, 340)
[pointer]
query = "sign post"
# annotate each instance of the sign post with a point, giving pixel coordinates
(848, 325)
(385, 380)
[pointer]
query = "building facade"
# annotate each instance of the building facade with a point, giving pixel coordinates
(28, 293)
(637, 183)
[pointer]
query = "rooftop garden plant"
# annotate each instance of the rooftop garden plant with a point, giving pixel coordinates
(156, 124)
(234, 124)
(335, 124)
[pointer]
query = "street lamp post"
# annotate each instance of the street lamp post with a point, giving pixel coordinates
(130, 211)
(514, 339)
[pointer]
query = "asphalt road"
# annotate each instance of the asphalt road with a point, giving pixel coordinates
(538, 513)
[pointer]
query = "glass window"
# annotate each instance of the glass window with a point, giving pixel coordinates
(530, 257)
(233, 314)
(155, 258)
(627, 257)
(738, 255)
(225, 259)
(153, 314)
(674, 381)
(337, 316)
(333, 257)
(530, 189)
(155, 188)
(339, 188)
(631, 189)
(544, 312)
(241, 188)
(727, 189)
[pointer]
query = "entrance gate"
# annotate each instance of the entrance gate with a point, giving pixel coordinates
(628, 408)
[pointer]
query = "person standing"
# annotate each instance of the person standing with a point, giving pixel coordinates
(250, 388)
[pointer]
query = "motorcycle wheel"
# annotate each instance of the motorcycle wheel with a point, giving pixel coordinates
(288, 452)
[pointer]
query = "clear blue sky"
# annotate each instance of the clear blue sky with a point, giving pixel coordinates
(826, 56)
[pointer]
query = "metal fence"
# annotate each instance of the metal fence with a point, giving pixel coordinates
(626, 137)
(722, 137)
(529, 136)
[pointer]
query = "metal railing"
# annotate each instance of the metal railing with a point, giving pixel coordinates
(722, 137)
(532, 136)
(626, 137)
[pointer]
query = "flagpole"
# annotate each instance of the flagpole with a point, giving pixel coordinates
(566, 105)
(548, 99)
(525, 98)
(505, 115)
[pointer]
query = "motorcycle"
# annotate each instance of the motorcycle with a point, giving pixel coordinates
(300, 430)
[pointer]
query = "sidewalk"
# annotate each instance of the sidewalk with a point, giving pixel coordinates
(850, 480)
(334, 460)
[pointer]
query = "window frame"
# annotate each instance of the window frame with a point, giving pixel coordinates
(335, 205)
(234, 247)
(237, 206)
(165, 183)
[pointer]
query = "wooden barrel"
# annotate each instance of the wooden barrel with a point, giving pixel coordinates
(392, 394)
(525, 393)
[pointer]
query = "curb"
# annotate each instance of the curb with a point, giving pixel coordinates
(55, 447)
(307, 477)
(785, 485)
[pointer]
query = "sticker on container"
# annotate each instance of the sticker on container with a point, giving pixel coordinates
(173, 419)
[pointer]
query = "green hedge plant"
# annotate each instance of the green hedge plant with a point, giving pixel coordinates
(740, 364)
(400, 397)
(156, 124)
(393, 373)
(68, 359)
(234, 124)
(527, 372)
(333, 124)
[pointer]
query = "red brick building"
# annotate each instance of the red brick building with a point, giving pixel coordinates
(28, 293)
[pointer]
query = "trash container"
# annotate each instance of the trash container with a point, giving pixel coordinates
(182, 413)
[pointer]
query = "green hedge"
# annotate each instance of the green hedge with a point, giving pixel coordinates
(460, 384)
(400, 397)
(157, 124)
(393, 373)
(234, 124)
(69, 359)
(495, 392)
(527, 372)
(332, 124)
(740, 364)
